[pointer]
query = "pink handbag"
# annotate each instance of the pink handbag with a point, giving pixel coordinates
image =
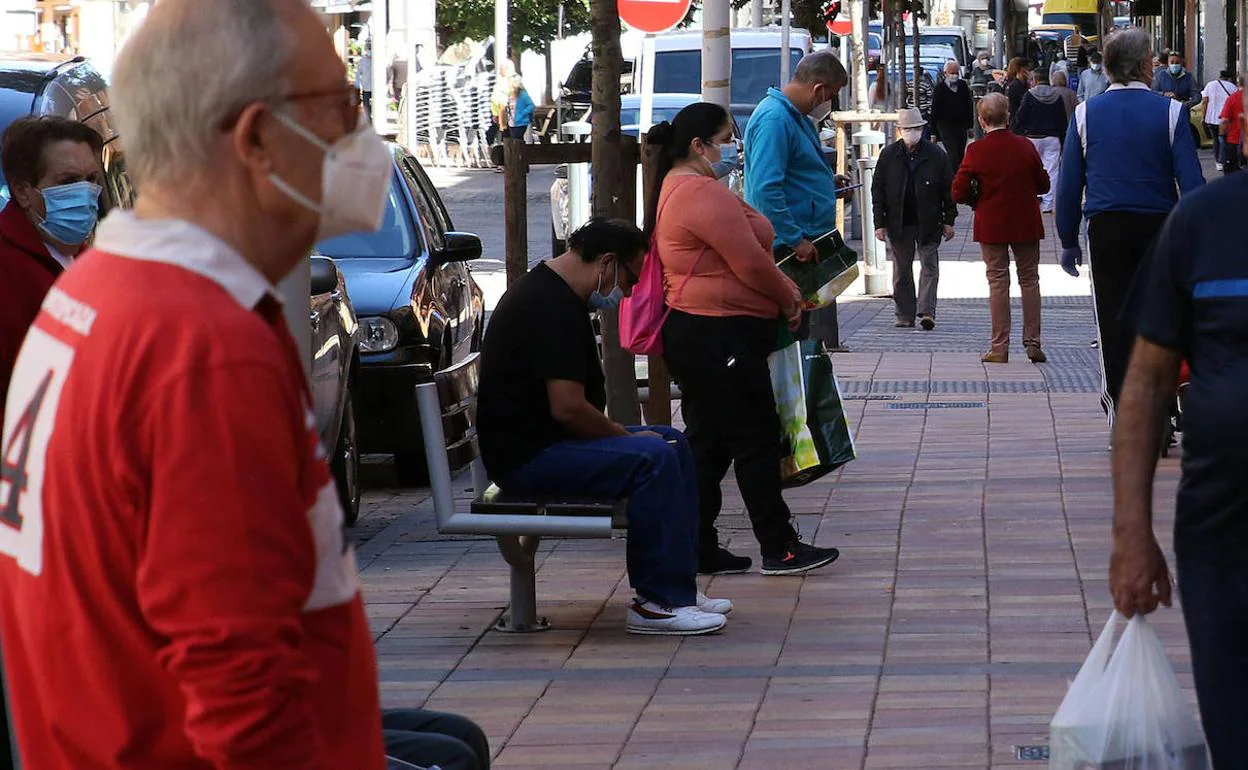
(643, 313)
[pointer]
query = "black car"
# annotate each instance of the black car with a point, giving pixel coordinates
(34, 84)
(420, 310)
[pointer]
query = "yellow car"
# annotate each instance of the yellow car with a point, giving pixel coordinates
(1197, 119)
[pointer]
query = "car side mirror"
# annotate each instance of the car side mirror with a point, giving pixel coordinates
(458, 247)
(324, 275)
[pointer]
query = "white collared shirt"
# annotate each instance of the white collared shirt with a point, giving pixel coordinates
(60, 258)
(178, 242)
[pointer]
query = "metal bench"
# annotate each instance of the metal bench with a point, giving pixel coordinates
(448, 406)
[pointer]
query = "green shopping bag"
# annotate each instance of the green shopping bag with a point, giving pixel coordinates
(823, 279)
(815, 432)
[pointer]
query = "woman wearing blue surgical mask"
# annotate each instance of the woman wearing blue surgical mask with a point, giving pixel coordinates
(728, 301)
(52, 169)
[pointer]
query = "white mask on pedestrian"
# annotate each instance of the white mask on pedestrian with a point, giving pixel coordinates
(1096, 67)
(951, 79)
(911, 136)
(355, 180)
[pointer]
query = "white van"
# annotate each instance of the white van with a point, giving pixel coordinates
(675, 59)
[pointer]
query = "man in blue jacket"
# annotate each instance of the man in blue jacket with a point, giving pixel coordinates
(787, 178)
(1130, 152)
(1175, 82)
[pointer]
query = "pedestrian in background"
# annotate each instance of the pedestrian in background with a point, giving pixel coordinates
(1093, 81)
(1186, 305)
(52, 167)
(1068, 97)
(1002, 177)
(364, 78)
(1042, 118)
(1130, 152)
(519, 109)
(787, 177)
(913, 211)
(1230, 130)
(1175, 82)
(953, 113)
(1212, 100)
(728, 301)
(1018, 82)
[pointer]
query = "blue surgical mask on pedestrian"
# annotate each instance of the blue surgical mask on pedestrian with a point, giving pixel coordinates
(1176, 69)
(612, 299)
(71, 212)
(727, 160)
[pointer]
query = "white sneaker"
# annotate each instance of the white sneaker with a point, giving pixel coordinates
(651, 618)
(718, 606)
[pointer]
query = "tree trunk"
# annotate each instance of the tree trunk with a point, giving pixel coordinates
(623, 404)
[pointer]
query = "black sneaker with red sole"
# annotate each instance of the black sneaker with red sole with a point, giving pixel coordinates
(799, 558)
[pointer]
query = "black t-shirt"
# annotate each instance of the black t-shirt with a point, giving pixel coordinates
(539, 332)
(1191, 295)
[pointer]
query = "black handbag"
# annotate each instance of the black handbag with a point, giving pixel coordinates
(974, 193)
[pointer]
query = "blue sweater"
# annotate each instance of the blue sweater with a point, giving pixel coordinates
(1128, 149)
(787, 178)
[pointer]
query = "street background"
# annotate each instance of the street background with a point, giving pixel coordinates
(974, 530)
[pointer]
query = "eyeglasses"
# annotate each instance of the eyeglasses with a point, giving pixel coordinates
(350, 102)
(350, 105)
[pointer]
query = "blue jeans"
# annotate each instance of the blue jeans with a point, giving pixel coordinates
(1213, 583)
(434, 739)
(658, 479)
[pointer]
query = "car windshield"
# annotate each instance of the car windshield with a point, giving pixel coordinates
(394, 240)
(754, 70)
(934, 40)
(631, 116)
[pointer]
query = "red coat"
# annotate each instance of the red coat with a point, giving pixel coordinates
(1010, 177)
(27, 271)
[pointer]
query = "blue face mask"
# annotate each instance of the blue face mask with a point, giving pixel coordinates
(72, 211)
(600, 301)
(1176, 69)
(727, 160)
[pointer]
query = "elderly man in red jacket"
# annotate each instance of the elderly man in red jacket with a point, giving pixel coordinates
(1001, 177)
(52, 166)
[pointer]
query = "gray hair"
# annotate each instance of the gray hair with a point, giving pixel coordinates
(1128, 54)
(187, 72)
(821, 67)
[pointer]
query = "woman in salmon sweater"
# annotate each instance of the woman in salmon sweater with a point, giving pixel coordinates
(728, 302)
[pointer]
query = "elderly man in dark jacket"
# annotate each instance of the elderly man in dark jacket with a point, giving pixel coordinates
(1042, 118)
(953, 113)
(913, 211)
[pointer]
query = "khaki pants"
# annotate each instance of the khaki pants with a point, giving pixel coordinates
(1027, 261)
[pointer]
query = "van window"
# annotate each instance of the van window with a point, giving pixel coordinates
(754, 70)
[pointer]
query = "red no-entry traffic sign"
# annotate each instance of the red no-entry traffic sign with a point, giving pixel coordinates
(653, 15)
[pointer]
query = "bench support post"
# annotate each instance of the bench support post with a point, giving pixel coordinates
(519, 551)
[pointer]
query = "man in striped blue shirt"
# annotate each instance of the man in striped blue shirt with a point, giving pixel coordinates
(1128, 155)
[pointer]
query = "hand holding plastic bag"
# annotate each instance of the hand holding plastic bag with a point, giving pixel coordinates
(1125, 709)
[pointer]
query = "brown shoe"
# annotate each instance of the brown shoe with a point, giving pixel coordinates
(996, 358)
(902, 323)
(1036, 355)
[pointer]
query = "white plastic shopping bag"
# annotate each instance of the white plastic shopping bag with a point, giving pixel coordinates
(1125, 709)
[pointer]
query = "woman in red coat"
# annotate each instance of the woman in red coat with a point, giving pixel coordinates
(1009, 175)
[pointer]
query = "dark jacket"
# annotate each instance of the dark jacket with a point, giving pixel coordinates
(1042, 114)
(1015, 90)
(952, 109)
(932, 179)
(27, 271)
(1183, 86)
(1010, 177)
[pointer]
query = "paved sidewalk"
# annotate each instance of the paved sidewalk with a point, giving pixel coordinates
(974, 530)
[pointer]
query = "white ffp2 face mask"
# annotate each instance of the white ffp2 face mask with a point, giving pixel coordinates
(355, 180)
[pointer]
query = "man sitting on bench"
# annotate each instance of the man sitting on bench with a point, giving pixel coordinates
(543, 432)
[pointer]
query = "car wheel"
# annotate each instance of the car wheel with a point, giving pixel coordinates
(411, 470)
(346, 462)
